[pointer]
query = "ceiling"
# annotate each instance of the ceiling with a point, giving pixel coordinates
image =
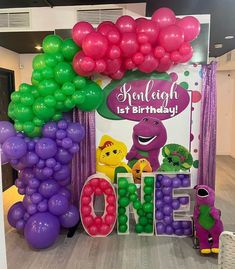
(222, 19)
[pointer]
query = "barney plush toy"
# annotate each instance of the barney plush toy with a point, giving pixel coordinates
(207, 220)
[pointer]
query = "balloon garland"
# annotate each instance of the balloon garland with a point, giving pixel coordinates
(146, 44)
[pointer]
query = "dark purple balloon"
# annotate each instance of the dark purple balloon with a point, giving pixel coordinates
(59, 142)
(60, 134)
(15, 213)
(4, 158)
(30, 191)
(62, 124)
(20, 135)
(179, 232)
(48, 188)
(176, 224)
(70, 218)
(167, 210)
(67, 143)
(188, 231)
(176, 182)
(175, 204)
(30, 159)
(51, 162)
(169, 230)
(41, 164)
(76, 132)
(14, 147)
(6, 130)
(65, 182)
(20, 224)
(58, 204)
(168, 219)
(42, 206)
(65, 192)
(166, 181)
(26, 216)
(167, 199)
(181, 176)
(21, 191)
(183, 200)
(160, 228)
(33, 183)
(36, 198)
(63, 156)
(42, 230)
(159, 215)
(46, 148)
(39, 174)
(19, 183)
(74, 148)
(159, 204)
(27, 201)
(31, 145)
(158, 185)
(159, 177)
(167, 190)
(186, 224)
(159, 194)
(185, 182)
(48, 172)
(57, 166)
(63, 173)
(32, 209)
(49, 130)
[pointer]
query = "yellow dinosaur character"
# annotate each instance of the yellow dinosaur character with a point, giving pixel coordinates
(109, 156)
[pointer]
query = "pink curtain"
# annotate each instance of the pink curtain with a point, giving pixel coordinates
(207, 152)
(84, 163)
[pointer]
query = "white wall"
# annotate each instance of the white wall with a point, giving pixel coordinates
(26, 67)
(225, 113)
(10, 60)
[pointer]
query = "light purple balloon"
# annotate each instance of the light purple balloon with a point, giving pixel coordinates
(166, 181)
(36, 198)
(76, 132)
(175, 204)
(67, 143)
(167, 190)
(63, 156)
(63, 173)
(30, 159)
(42, 206)
(62, 124)
(6, 130)
(14, 147)
(169, 230)
(70, 218)
(176, 183)
(160, 228)
(42, 230)
(167, 210)
(61, 134)
(51, 162)
(49, 130)
(185, 182)
(58, 205)
(48, 188)
(46, 148)
(15, 213)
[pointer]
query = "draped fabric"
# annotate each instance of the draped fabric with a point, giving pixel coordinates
(207, 152)
(84, 162)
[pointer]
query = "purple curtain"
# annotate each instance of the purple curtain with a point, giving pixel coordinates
(207, 152)
(84, 162)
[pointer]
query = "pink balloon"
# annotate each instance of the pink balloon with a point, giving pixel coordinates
(186, 58)
(190, 26)
(149, 64)
(149, 28)
(165, 58)
(185, 48)
(175, 57)
(164, 17)
(139, 21)
(164, 66)
(111, 209)
(129, 64)
(98, 191)
(129, 45)
(114, 36)
(105, 27)
(119, 74)
(159, 52)
(142, 38)
(98, 220)
(80, 31)
(87, 64)
(95, 45)
(171, 38)
(86, 200)
(93, 230)
(112, 66)
(104, 229)
(100, 66)
(86, 210)
(138, 58)
(126, 24)
(109, 219)
(114, 52)
(87, 221)
(77, 64)
(145, 48)
(111, 199)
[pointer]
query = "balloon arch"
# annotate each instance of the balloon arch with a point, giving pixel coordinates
(41, 143)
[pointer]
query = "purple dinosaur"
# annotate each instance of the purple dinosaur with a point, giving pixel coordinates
(149, 135)
(207, 219)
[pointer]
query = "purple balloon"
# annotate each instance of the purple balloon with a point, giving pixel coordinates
(188, 231)
(42, 206)
(27, 201)
(175, 204)
(15, 213)
(33, 183)
(63, 156)
(30, 191)
(159, 194)
(186, 224)
(159, 215)
(65, 182)
(158, 185)
(62, 124)
(26, 216)
(49, 130)
(67, 143)
(60, 134)
(7, 130)
(179, 232)
(65, 192)
(168, 219)
(183, 200)
(26, 174)
(166, 181)
(181, 176)
(70, 218)
(36, 198)
(167, 190)
(20, 224)
(176, 224)
(31, 145)
(39, 174)
(32, 209)
(169, 230)
(176, 183)
(59, 142)
(21, 191)
(20, 135)
(58, 204)
(51, 162)
(30, 159)
(76, 132)
(159, 204)
(185, 182)
(167, 199)
(160, 228)
(42, 230)
(167, 210)
(14, 147)
(159, 177)
(63, 173)
(46, 148)
(48, 172)
(41, 164)
(57, 166)
(48, 188)
(74, 148)
(19, 183)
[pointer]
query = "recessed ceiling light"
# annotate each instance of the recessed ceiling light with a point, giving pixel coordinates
(218, 46)
(229, 37)
(38, 47)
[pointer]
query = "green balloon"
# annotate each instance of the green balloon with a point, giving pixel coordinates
(57, 117)
(47, 72)
(132, 188)
(63, 72)
(59, 96)
(122, 219)
(148, 190)
(121, 210)
(68, 88)
(148, 228)
(18, 126)
(25, 88)
(38, 122)
(39, 62)
(137, 205)
(23, 113)
(15, 97)
(69, 103)
(122, 192)
(122, 182)
(149, 181)
(122, 228)
(139, 228)
(34, 82)
(140, 212)
(148, 197)
(143, 220)
(28, 127)
(59, 57)
(52, 44)
(37, 75)
(78, 97)
(27, 99)
(50, 101)
(123, 201)
(79, 82)
(35, 92)
(50, 60)
(42, 111)
(59, 105)
(11, 111)
(36, 132)
(94, 97)
(133, 197)
(149, 215)
(69, 49)
(47, 87)
(148, 207)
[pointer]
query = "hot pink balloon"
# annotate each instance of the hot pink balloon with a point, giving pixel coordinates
(145, 48)
(186, 58)
(164, 17)
(171, 38)
(185, 48)
(142, 38)
(126, 24)
(105, 27)
(190, 26)
(95, 45)
(159, 52)
(164, 66)
(118, 74)
(112, 66)
(114, 36)
(129, 45)
(87, 64)
(139, 21)
(80, 31)
(114, 52)
(100, 66)
(77, 64)
(149, 64)
(149, 28)
(138, 58)
(175, 57)
(129, 64)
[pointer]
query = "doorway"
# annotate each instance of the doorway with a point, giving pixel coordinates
(7, 86)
